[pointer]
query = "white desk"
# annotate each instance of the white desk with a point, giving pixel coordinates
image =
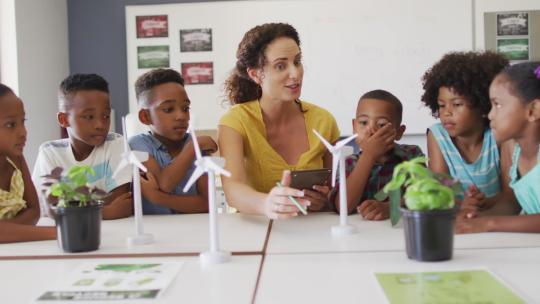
(174, 234)
(303, 263)
(309, 234)
(233, 282)
(349, 277)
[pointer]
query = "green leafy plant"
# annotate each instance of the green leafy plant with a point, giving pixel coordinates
(425, 190)
(72, 189)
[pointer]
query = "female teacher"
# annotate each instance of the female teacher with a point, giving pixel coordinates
(268, 131)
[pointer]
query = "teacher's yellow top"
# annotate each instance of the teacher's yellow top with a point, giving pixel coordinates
(264, 166)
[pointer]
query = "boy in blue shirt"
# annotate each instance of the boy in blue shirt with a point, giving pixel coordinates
(164, 107)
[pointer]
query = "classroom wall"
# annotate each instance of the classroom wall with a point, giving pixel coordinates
(350, 47)
(35, 42)
(8, 38)
(38, 60)
(100, 46)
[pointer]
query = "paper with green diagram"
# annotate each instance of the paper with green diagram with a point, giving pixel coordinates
(104, 282)
(445, 287)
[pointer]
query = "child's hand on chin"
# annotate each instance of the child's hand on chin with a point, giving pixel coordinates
(380, 142)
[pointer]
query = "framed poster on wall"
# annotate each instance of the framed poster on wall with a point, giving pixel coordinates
(511, 24)
(196, 40)
(198, 72)
(152, 26)
(154, 56)
(514, 49)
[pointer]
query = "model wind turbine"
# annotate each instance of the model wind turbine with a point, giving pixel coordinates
(212, 165)
(339, 152)
(135, 159)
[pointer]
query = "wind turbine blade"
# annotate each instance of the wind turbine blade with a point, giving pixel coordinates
(194, 177)
(198, 153)
(335, 161)
(133, 159)
(123, 163)
(216, 168)
(126, 145)
(345, 141)
(327, 144)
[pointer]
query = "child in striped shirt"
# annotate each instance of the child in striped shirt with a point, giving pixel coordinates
(456, 89)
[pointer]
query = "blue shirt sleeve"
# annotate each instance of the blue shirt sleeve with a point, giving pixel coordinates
(141, 142)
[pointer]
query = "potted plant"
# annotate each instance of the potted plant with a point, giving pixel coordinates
(428, 218)
(78, 209)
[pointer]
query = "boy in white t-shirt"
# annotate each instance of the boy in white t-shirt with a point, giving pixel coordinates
(84, 110)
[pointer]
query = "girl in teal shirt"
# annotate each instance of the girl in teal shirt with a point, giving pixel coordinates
(515, 117)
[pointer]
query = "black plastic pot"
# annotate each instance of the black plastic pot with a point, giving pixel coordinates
(429, 235)
(79, 228)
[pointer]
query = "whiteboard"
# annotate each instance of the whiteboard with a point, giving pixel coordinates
(349, 48)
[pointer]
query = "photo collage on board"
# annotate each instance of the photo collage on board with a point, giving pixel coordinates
(151, 55)
(513, 39)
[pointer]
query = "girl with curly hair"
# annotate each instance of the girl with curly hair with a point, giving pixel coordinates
(456, 89)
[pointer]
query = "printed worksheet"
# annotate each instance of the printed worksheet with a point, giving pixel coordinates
(470, 286)
(104, 282)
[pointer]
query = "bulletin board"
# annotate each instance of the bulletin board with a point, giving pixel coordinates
(515, 34)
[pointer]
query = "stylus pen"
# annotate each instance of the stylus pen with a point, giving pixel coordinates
(294, 201)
